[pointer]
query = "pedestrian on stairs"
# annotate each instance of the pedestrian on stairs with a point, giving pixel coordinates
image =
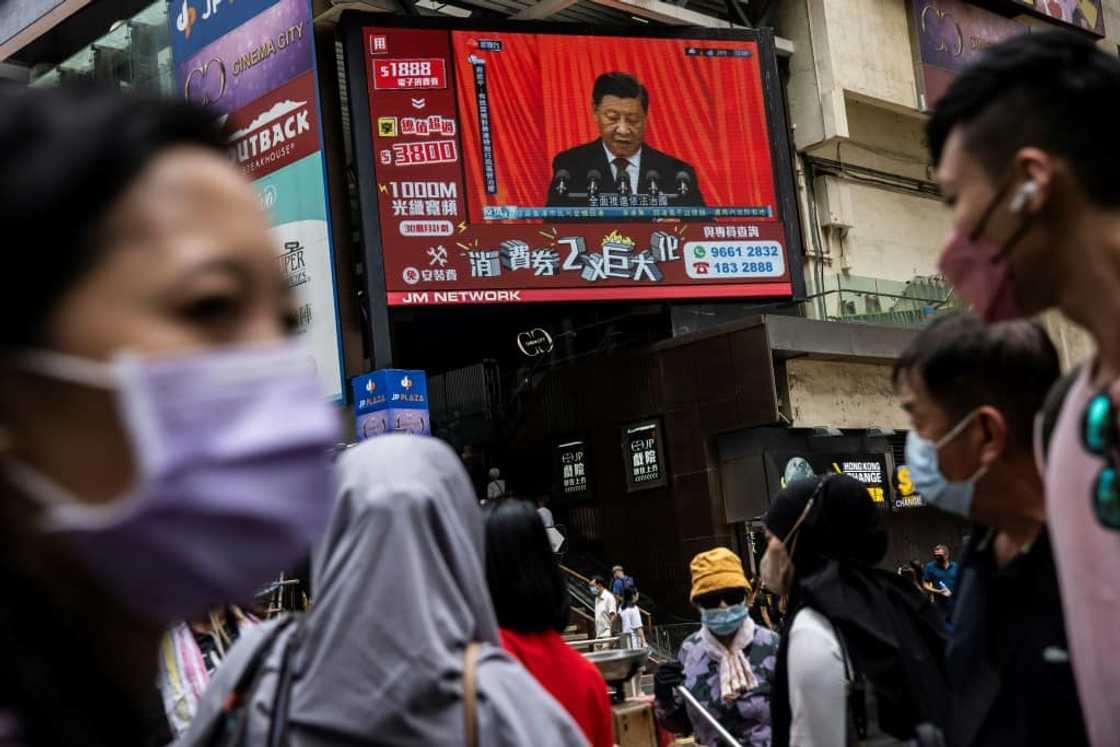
(606, 608)
(620, 583)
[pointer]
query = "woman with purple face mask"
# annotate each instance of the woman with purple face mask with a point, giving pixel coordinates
(163, 445)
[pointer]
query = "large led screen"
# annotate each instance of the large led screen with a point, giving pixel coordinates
(515, 167)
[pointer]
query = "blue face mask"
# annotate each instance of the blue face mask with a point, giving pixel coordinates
(725, 620)
(954, 497)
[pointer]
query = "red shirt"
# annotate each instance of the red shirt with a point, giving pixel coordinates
(571, 679)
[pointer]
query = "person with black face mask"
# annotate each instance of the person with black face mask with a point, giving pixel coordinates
(939, 578)
(861, 654)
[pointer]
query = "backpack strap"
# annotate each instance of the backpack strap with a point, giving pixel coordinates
(857, 728)
(278, 729)
(231, 725)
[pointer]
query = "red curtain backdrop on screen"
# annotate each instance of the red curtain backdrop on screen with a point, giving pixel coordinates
(707, 111)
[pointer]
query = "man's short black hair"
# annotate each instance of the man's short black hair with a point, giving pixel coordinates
(1054, 90)
(598, 580)
(622, 85)
(965, 364)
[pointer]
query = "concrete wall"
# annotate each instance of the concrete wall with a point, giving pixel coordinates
(891, 234)
(870, 51)
(863, 48)
(1111, 26)
(884, 140)
(843, 394)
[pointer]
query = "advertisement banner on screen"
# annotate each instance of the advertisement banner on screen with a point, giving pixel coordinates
(573, 167)
(391, 401)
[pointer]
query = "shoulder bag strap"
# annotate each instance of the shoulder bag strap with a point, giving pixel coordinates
(470, 692)
(857, 729)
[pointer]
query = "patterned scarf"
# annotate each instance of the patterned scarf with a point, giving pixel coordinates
(182, 678)
(182, 668)
(735, 675)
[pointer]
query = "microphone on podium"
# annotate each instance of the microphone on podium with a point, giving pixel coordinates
(560, 182)
(593, 178)
(684, 183)
(653, 179)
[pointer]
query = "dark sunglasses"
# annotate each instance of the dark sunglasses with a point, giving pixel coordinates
(1100, 435)
(731, 597)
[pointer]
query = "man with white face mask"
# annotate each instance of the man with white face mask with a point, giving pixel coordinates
(971, 392)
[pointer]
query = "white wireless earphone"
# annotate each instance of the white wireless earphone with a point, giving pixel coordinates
(1025, 194)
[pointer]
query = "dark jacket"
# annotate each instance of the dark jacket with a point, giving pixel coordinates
(581, 159)
(893, 636)
(1008, 660)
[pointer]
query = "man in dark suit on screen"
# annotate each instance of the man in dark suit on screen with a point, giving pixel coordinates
(619, 162)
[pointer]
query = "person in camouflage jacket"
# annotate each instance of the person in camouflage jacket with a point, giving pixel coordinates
(728, 665)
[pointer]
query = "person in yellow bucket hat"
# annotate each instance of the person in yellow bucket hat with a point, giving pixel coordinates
(728, 665)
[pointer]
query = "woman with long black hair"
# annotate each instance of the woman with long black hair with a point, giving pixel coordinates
(531, 600)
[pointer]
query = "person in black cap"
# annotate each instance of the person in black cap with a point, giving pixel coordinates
(862, 651)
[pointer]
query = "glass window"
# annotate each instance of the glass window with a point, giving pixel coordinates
(135, 54)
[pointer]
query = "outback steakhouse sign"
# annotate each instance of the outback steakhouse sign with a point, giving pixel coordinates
(281, 128)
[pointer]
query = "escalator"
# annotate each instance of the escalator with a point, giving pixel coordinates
(663, 639)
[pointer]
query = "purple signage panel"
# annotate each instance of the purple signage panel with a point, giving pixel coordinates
(255, 58)
(950, 35)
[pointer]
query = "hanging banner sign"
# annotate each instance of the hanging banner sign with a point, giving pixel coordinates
(571, 469)
(643, 453)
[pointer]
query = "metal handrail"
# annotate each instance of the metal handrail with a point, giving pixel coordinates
(582, 614)
(593, 641)
(723, 733)
(647, 618)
